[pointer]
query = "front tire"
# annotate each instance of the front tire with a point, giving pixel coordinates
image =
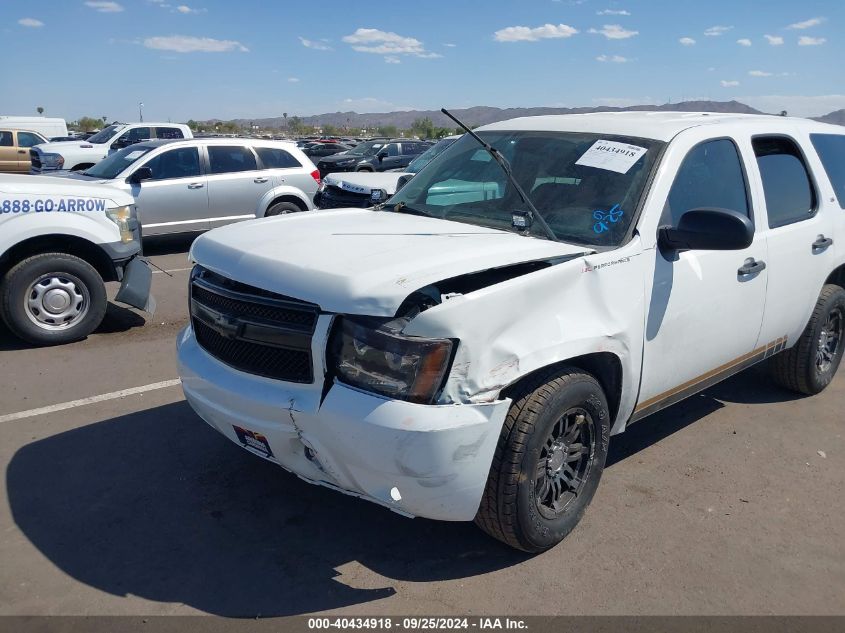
(548, 461)
(52, 298)
(809, 365)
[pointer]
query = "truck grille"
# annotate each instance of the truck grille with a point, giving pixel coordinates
(337, 198)
(252, 330)
(35, 159)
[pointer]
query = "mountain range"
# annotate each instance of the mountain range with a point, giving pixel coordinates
(482, 115)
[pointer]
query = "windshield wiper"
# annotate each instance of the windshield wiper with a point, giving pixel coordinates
(404, 208)
(506, 167)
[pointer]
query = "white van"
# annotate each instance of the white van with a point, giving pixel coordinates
(50, 127)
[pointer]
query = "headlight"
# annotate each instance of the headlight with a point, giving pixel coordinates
(378, 358)
(53, 160)
(345, 163)
(122, 216)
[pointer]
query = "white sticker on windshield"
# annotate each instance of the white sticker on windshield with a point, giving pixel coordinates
(134, 155)
(613, 156)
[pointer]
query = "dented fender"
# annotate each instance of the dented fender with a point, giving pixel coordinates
(594, 303)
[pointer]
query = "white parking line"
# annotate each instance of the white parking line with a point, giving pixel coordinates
(53, 408)
(172, 270)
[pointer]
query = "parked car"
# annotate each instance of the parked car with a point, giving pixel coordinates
(199, 184)
(80, 155)
(364, 189)
(373, 156)
(469, 356)
(45, 126)
(321, 149)
(14, 149)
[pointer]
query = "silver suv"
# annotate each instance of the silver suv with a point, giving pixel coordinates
(198, 184)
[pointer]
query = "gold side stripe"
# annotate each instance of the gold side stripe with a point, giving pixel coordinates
(722, 368)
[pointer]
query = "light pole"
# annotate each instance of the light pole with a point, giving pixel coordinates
(141, 111)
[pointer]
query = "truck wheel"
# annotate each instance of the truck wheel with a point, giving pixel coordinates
(282, 208)
(809, 365)
(548, 461)
(52, 298)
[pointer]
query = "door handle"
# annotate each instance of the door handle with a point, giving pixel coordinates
(196, 185)
(21, 151)
(821, 243)
(751, 267)
(260, 179)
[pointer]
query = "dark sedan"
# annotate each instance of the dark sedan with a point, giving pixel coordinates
(373, 156)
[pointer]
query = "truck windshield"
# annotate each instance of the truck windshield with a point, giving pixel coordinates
(111, 166)
(586, 186)
(365, 149)
(103, 135)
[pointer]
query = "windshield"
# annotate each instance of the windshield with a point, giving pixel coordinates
(111, 166)
(425, 158)
(586, 186)
(103, 135)
(365, 149)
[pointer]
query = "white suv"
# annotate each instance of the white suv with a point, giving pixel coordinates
(78, 155)
(467, 355)
(200, 184)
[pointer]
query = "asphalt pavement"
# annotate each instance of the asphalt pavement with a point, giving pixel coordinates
(124, 502)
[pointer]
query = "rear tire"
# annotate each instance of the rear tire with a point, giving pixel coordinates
(809, 365)
(282, 208)
(52, 298)
(548, 461)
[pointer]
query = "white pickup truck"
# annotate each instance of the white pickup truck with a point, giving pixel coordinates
(469, 357)
(59, 242)
(79, 155)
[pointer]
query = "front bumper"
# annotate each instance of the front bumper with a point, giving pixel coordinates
(419, 460)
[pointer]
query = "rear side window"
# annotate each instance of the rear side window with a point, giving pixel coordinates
(28, 139)
(831, 151)
(169, 132)
(233, 158)
(275, 158)
(786, 182)
(710, 177)
(183, 162)
(6, 139)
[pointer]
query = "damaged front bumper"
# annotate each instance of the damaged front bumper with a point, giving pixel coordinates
(420, 460)
(135, 286)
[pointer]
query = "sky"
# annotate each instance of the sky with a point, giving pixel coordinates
(251, 59)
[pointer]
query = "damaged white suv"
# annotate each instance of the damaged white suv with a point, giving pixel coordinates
(468, 356)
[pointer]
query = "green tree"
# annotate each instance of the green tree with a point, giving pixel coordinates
(424, 128)
(87, 124)
(295, 125)
(331, 130)
(387, 130)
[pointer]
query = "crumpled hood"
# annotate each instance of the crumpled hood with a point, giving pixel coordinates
(359, 261)
(364, 182)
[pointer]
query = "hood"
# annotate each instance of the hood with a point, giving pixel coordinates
(358, 261)
(364, 181)
(78, 176)
(76, 146)
(62, 187)
(335, 158)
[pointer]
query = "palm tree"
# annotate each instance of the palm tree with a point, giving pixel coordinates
(285, 116)
(40, 110)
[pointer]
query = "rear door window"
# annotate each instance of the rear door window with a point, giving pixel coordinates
(231, 158)
(275, 158)
(790, 196)
(169, 132)
(831, 151)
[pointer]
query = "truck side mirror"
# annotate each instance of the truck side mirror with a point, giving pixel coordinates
(707, 229)
(381, 156)
(403, 180)
(140, 174)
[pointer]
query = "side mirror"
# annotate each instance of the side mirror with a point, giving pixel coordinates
(707, 229)
(381, 156)
(121, 143)
(141, 174)
(403, 180)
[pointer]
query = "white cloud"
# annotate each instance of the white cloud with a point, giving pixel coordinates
(687, 41)
(806, 24)
(390, 59)
(104, 7)
(31, 22)
(774, 40)
(744, 42)
(527, 34)
(387, 43)
(729, 84)
(293, 80)
(760, 73)
(191, 44)
(184, 9)
(450, 45)
(804, 40)
(796, 105)
(716, 31)
(613, 12)
(617, 59)
(317, 46)
(614, 32)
